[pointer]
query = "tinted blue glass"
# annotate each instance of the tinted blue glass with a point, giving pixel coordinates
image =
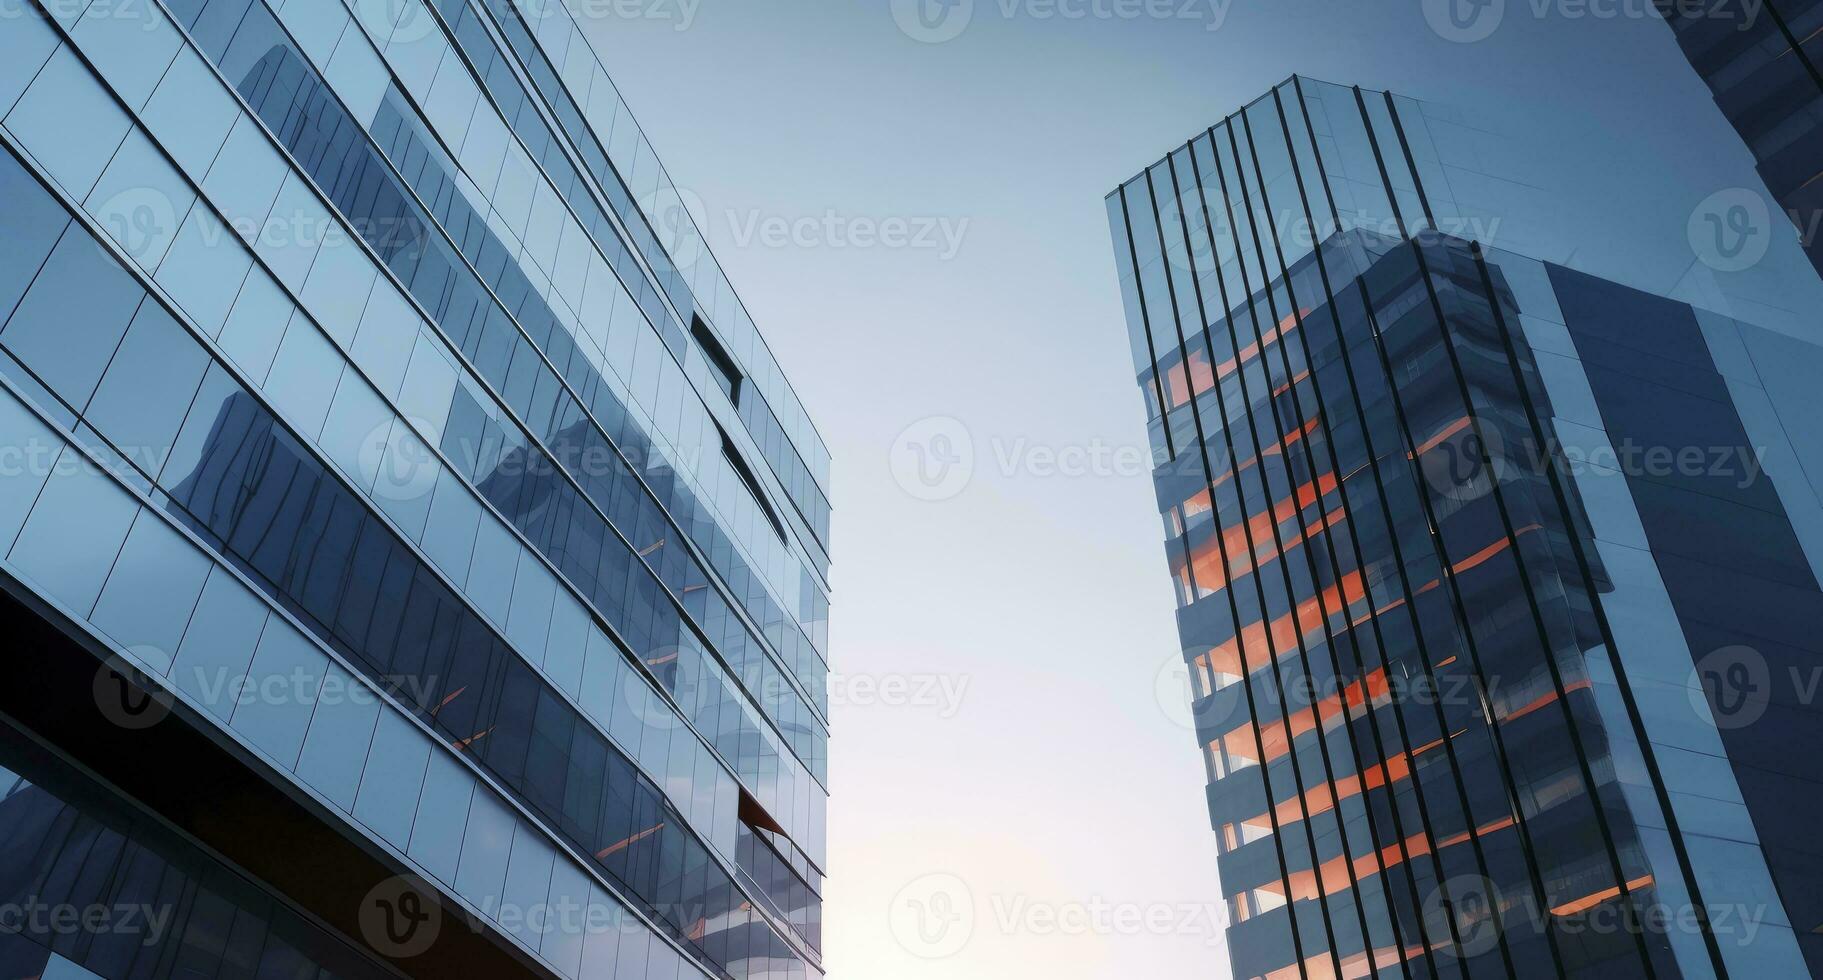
(67, 326)
(340, 730)
(74, 532)
(390, 784)
(30, 225)
(147, 389)
(280, 693)
(69, 123)
(153, 588)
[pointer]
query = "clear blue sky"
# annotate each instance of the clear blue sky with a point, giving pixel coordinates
(1059, 794)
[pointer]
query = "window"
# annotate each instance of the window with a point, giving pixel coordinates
(733, 456)
(720, 364)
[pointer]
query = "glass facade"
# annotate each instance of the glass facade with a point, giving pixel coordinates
(1467, 549)
(356, 408)
(1761, 59)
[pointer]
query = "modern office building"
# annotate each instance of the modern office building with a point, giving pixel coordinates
(1497, 582)
(1761, 58)
(414, 560)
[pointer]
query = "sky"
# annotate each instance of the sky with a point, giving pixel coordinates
(912, 210)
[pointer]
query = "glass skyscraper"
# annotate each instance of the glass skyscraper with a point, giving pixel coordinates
(413, 557)
(1761, 58)
(1497, 582)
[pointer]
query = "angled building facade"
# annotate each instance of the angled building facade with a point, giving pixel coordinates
(1497, 582)
(417, 560)
(1761, 58)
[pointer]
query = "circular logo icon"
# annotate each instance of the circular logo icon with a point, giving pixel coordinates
(404, 468)
(933, 21)
(127, 696)
(1211, 236)
(1175, 692)
(677, 215)
(400, 917)
(1731, 231)
(404, 21)
(934, 459)
(1466, 461)
(142, 220)
(1465, 21)
(933, 917)
(653, 712)
(1731, 687)
(1473, 904)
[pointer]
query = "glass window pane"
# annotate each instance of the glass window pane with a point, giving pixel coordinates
(436, 834)
(255, 325)
(409, 471)
(218, 644)
(340, 731)
(302, 380)
(75, 530)
(487, 841)
(388, 799)
(389, 330)
(566, 913)
(72, 318)
(280, 692)
(69, 123)
(131, 51)
(245, 177)
(24, 47)
(355, 431)
(602, 947)
(429, 384)
(204, 269)
(151, 592)
(27, 449)
(336, 290)
(293, 232)
(148, 387)
(528, 881)
(449, 535)
(190, 113)
(490, 573)
(529, 622)
(139, 200)
(30, 225)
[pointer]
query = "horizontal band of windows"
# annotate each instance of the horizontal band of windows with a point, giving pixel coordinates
(150, 419)
(476, 319)
(242, 480)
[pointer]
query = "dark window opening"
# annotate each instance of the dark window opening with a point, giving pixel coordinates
(720, 364)
(753, 484)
